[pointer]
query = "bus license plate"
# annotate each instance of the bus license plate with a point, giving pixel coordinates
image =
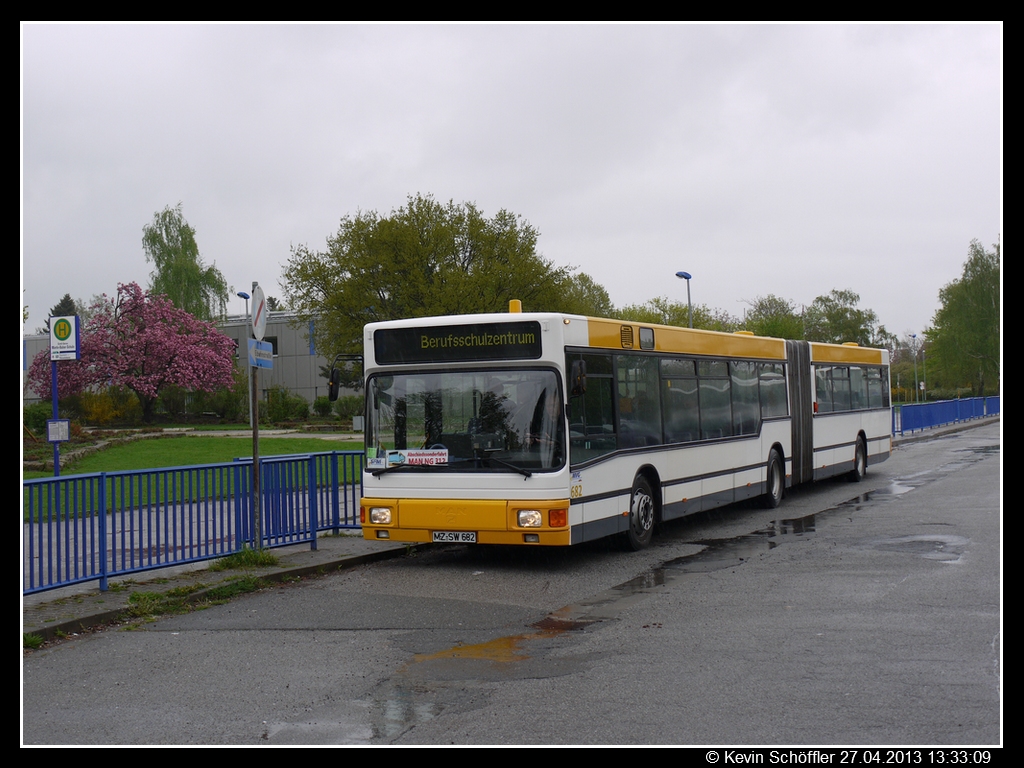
(455, 537)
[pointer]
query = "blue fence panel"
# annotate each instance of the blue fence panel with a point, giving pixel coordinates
(169, 517)
(287, 508)
(61, 530)
(350, 487)
(338, 486)
(81, 528)
(924, 415)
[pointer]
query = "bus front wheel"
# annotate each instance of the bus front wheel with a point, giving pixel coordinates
(641, 514)
(776, 481)
(860, 462)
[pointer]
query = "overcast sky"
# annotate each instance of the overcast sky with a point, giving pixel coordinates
(763, 159)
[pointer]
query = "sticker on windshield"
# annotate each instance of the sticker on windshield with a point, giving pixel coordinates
(418, 456)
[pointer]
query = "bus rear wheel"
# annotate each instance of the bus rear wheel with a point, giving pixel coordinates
(641, 515)
(860, 462)
(776, 481)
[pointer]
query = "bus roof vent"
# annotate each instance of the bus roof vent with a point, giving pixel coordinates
(627, 336)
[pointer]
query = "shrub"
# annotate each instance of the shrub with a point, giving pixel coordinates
(36, 416)
(112, 405)
(347, 407)
(173, 401)
(229, 403)
(282, 405)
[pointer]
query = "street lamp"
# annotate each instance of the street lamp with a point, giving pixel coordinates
(914, 337)
(924, 373)
(689, 305)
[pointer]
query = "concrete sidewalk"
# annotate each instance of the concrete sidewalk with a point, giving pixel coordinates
(70, 610)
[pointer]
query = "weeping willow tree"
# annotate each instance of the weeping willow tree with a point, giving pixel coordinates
(178, 270)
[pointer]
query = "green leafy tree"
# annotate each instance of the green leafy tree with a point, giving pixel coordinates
(583, 296)
(179, 272)
(662, 311)
(425, 258)
(66, 306)
(63, 308)
(964, 339)
(835, 318)
(774, 316)
(882, 339)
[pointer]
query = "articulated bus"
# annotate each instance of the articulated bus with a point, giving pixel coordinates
(555, 429)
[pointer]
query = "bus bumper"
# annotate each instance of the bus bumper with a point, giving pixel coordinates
(480, 521)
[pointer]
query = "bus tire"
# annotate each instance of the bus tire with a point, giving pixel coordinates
(860, 462)
(641, 515)
(776, 481)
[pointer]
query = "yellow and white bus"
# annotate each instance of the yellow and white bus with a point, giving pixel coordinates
(554, 429)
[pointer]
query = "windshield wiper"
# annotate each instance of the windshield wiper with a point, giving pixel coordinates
(513, 467)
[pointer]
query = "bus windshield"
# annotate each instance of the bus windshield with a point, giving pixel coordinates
(477, 420)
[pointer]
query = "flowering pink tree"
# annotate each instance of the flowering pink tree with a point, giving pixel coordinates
(73, 376)
(145, 343)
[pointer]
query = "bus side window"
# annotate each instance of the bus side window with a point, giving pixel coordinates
(591, 415)
(715, 399)
(823, 388)
(639, 401)
(840, 388)
(745, 401)
(680, 410)
(773, 390)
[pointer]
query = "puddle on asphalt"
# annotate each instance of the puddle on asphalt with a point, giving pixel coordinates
(499, 650)
(403, 708)
(948, 549)
(981, 449)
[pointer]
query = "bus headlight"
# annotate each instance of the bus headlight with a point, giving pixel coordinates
(530, 518)
(380, 515)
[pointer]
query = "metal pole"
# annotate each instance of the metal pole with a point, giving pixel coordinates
(924, 372)
(53, 399)
(689, 304)
(257, 490)
(916, 389)
(257, 493)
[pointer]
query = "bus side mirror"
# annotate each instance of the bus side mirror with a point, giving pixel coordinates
(333, 384)
(578, 378)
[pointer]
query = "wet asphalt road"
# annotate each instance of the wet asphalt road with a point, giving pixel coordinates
(854, 614)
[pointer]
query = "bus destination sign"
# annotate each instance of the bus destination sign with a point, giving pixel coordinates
(457, 343)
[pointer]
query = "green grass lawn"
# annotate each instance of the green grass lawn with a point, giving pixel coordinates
(157, 452)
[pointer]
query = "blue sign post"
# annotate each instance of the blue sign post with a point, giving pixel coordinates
(65, 344)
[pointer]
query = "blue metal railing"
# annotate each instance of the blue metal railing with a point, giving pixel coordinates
(909, 418)
(80, 528)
